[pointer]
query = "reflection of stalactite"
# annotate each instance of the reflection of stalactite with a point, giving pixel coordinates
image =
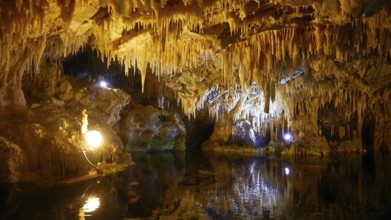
(258, 186)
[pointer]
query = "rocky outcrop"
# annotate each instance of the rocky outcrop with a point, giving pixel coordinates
(147, 128)
(108, 100)
(45, 139)
(12, 161)
(265, 62)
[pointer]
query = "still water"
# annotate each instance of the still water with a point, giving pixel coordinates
(195, 186)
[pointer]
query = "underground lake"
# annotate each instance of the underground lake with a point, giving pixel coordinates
(196, 186)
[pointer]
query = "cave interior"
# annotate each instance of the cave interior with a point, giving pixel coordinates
(272, 76)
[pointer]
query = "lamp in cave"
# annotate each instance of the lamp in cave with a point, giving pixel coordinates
(286, 171)
(103, 84)
(288, 137)
(93, 139)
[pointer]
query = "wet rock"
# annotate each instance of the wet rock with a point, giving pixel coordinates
(244, 134)
(51, 134)
(310, 144)
(348, 146)
(133, 197)
(134, 184)
(108, 100)
(308, 141)
(35, 105)
(12, 160)
(147, 128)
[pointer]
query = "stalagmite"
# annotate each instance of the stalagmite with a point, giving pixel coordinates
(272, 63)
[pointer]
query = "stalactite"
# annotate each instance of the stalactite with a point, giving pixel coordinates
(167, 37)
(267, 98)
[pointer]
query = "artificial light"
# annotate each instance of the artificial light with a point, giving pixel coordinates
(93, 138)
(287, 171)
(103, 84)
(288, 137)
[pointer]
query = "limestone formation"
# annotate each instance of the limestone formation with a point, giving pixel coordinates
(12, 161)
(146, 128)
(317, 69)
(45, 141)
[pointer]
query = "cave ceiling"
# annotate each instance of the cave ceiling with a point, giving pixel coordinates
(210, 51)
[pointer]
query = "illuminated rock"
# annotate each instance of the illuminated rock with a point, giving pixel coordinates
(147, 128)
(210, 54)
(50, 135)
(107, 100)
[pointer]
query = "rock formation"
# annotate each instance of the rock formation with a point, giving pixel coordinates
(319, 70)
(44, 141)
(152, 129)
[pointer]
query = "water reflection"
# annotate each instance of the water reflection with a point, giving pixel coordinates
(92, 203)
(169, 186)
(247, 188)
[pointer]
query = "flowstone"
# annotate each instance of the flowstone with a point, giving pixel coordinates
(147, 128)
(46, 141)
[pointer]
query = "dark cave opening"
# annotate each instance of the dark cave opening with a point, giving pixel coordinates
(85, 65)
(329, 121)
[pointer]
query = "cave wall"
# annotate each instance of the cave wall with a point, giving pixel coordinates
(274, 64)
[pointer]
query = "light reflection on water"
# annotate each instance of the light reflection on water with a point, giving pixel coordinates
(168, 186)
(91, 204)
(251, 190)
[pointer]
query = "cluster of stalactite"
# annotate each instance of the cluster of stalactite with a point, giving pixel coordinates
(166, 36)
(239, 59)
(347, 105)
